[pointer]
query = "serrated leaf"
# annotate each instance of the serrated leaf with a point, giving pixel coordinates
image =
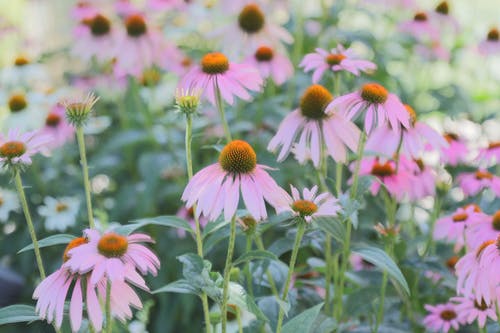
(49, 241)
(332, 226)
(181, 286)
(18, 313)
(165, 221)
(304, 321)
(380, 259)
(255, 255)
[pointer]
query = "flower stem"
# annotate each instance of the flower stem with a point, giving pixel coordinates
(248, 274)
(227, 270)
(199, 242)
(347, 241)
(430, 246)
(220, 108)
(29, 221)
(298, 238)
(85, 171)
(109, 323)
(260, 246)
(328, 270)
(238, 318)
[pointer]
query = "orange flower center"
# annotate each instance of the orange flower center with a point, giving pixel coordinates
(411, 113)
(443, 8)
(481, 248)
(238, 157)
(112, 245)
(214, 63)
(74, 243)
(304, 207)
(136, 25)
(21, 61)
(494, 145)
(483, 175)
(495, 221)
(17, 103)
(61, 207)
(251, 18)
(374, 93)
(477, 209)
(420, 17)
(334, 59)
(452, 261)
(382, 170)
(450, 137)
(264, 53)
(482, 307)
(493, 35)
(52, 120)
(12, 149)
(186, 62)
(448, 315)
(99, 25)
(460, 217)
(314, 101)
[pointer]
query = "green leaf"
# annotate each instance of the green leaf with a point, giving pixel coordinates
(165, 221)
(18, 313)
(181, 286)
(332, 226)
(49, 241)
(255, 255)
(380, 259)
(304, 321)
(196, 271)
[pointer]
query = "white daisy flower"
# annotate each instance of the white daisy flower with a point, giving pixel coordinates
(9, 202)
(59, 213)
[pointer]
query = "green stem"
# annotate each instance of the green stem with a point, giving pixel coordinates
(429, 248)
(347, 241)
(220, 108)
(199, 241)
(338, 179)
(29, 221)
(248, 274)
(109, 322)
(85, 171)
(227, 270)
(296, 246)
(328, 272)
(238, 318)
(260, 246)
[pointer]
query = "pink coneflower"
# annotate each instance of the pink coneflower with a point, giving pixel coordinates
(139, 48)
(174, 60)
(470, 310)
(94, 37)
(216, 188)
(413, 139)
(433, 51)
(359, 264)
(451, 228)
(57, 127)
(442, 317)
(474, 182)
(490, 46)
(456, 152)
(396, 183)
(338, 59)
(271, 63)
(491, 153)
(489, 263)
(216, 72)
(310, 204)
(83, 10)
(421, 179)
(159, 5)
(441, 17)
(188, 215)
(379, 104)
(420, 28)
(114, 256)
(486, 228)
(316, 126)
(17, 148)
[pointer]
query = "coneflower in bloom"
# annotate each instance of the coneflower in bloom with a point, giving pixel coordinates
(51, 294)
(16, 149)
(57, 127)
(442, 317)
(94, 37)
(24, 110)
(338, 59)
(421, 178)
(413, 139)
(317, 125)
(490, 46)
(9, 203)
(115, 257)
(271, 64)
(311, 204)
(486, 227)
(380, 106)
(456, 152)
(489, 263)
(216, 188)
(441, 17)
(470, 310)
(491, 153)
(474, 182)
(188, 215)
(420, 28)
(451, 228)
(215, 72)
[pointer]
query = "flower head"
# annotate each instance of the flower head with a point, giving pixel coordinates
(474, 182)
(311, 204)
(271, 64)
(16, 148)
(216, 188)
(421, 27)
(187, 101)
(59, 213)
(490, 153)
(456, 151)
(94, 37)
(79, 109)
(9, 202)
(442, 317)
(491, 45)
(470, 310)
(57, 127)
